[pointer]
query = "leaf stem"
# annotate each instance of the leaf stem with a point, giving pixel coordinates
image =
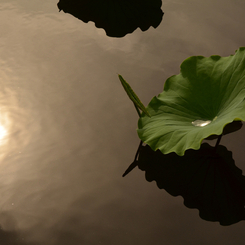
(218, 141)
(135, 162)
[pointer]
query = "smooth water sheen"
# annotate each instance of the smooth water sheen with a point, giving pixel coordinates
(68, 130)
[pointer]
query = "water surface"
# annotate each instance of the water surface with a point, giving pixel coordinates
(68, 130)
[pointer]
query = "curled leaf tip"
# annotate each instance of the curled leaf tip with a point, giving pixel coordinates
(132, 96)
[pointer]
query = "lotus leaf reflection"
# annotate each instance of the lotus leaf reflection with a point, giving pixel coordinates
(207, 179)
(207, 95)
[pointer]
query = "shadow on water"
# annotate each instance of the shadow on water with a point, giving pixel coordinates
(117, 18)
(207, 179)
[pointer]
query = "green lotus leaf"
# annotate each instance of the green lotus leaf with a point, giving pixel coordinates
(199, 102)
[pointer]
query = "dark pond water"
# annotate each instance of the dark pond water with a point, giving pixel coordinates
(68, 130)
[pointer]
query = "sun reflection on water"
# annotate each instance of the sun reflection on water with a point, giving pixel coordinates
(3, 133)
(4, 128)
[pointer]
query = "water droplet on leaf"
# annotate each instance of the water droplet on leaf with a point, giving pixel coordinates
(201, 123)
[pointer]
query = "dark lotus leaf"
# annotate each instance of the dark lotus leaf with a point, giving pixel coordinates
(207, 180)
(116, 17)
